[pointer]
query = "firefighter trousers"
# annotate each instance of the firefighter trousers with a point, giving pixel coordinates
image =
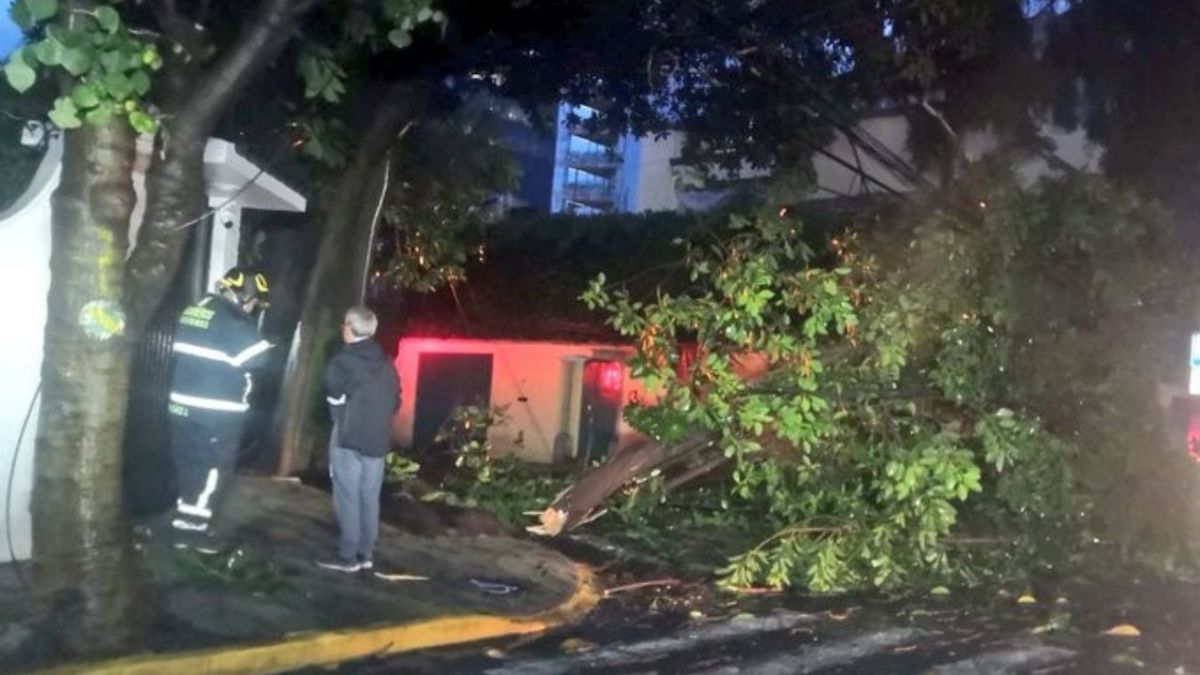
(205, 454)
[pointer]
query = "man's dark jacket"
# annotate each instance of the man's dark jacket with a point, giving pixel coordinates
(363, 393)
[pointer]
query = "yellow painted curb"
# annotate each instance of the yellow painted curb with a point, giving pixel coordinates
(326, 648)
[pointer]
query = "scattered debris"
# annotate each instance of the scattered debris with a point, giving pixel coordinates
(1127, 659)
(1124, 630)
(654, 583)
(494, 587)
(1026, 599)
(1057, 622)
(400, 577)
(939, 591)
(840, 614)
(576, 645)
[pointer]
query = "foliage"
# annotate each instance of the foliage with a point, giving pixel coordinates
(109, 64)
(233, 569)
(444, 171)
(505, 486)
(109, 53)
(898, 397)
(704, 69)
(400, 468)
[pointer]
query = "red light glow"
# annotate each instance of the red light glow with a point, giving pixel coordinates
(1193, 437)
(610, 379)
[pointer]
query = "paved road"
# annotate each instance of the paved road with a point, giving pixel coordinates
(1061, 631)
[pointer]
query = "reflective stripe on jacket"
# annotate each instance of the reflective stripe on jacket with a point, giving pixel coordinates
(216, 347)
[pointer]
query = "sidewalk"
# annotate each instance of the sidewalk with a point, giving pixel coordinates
(261, 605)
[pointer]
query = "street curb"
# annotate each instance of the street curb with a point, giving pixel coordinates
(330, 647)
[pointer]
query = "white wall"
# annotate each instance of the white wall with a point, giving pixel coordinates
(25, 273)
(25, 267)
(530, 370)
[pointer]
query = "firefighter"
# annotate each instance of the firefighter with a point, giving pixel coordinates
(216, 348)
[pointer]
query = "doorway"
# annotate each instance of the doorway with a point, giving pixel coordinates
(600, 408)
(446, 382)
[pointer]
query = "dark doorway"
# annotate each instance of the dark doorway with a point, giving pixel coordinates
(600, 408)
(446, 382)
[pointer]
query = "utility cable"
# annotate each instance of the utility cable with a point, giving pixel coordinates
(12, 472)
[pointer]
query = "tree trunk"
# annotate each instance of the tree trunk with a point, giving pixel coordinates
(84, 564)
(343, 256)
(175, 191)
(175, 202)
(574, 506)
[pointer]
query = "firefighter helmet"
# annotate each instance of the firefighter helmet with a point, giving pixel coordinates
(246, 284)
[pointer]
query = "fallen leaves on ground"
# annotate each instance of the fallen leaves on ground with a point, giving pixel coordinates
(576, 645)
(1124, 630)
(1126, 659)
(1057, 622)
(840, 614)
(1026, 599)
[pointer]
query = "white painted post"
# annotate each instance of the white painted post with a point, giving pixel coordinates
(226, 235)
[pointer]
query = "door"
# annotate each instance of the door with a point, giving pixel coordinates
(600, 408)
(446, 382)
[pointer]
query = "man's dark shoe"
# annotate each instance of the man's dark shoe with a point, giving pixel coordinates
(339, 565)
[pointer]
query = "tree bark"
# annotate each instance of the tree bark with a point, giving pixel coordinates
(175, 194)
(577, 503)
(335, 284)
(84, 564)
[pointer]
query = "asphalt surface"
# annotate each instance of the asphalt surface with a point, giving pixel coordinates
(1056, 628)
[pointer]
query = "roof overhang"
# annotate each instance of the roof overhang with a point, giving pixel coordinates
(233, 179)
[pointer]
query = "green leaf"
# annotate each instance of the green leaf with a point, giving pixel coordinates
(142, 122)
(19, 75)
(113, 62)
(424, 14)
(48, 51)
(85, 96)
(399, 38)
(100, 115)
(141, 82)
(77, 61)
(64, 114)
(108, 18)
(40, 10)
(118, 85)
(20, 15)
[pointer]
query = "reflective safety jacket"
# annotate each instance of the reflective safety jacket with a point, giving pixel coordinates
(216, 348)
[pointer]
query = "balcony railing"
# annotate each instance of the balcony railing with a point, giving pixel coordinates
(593, 160)
(590, 194)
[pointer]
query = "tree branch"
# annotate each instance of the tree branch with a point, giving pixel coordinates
(263, 39)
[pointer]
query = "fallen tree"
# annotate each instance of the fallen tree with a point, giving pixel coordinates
(941, 378)
(577, 505)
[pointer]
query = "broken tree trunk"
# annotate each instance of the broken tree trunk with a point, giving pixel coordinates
(576, 504)
(343, 257)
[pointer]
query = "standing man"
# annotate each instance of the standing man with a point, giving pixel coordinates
(216, 348)
(363, 393)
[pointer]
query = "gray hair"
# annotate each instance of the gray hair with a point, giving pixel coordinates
(362, 321)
